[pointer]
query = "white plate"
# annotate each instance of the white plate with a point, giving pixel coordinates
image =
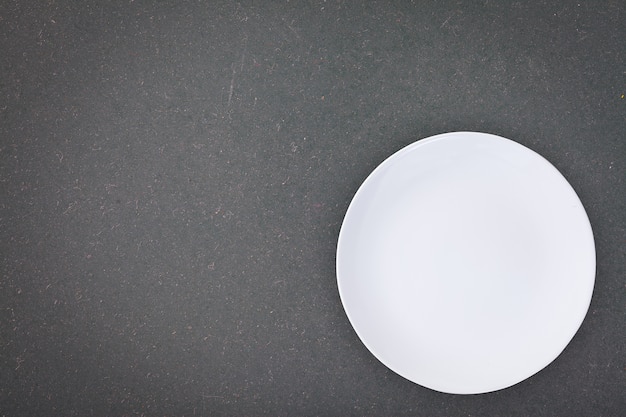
(466, 263)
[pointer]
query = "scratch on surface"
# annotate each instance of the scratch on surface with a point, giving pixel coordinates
(232, 86)
(71, 207)
(291, 28)
(232, 79)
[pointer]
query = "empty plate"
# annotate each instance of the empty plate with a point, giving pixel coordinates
(466, 262)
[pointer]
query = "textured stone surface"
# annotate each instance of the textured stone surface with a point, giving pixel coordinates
(174, 174)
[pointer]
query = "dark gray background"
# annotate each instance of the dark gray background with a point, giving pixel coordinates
(174, 174)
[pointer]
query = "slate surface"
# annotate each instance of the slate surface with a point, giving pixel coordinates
(174, 174)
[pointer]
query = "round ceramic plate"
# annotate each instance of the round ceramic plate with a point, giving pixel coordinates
(466, 263)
